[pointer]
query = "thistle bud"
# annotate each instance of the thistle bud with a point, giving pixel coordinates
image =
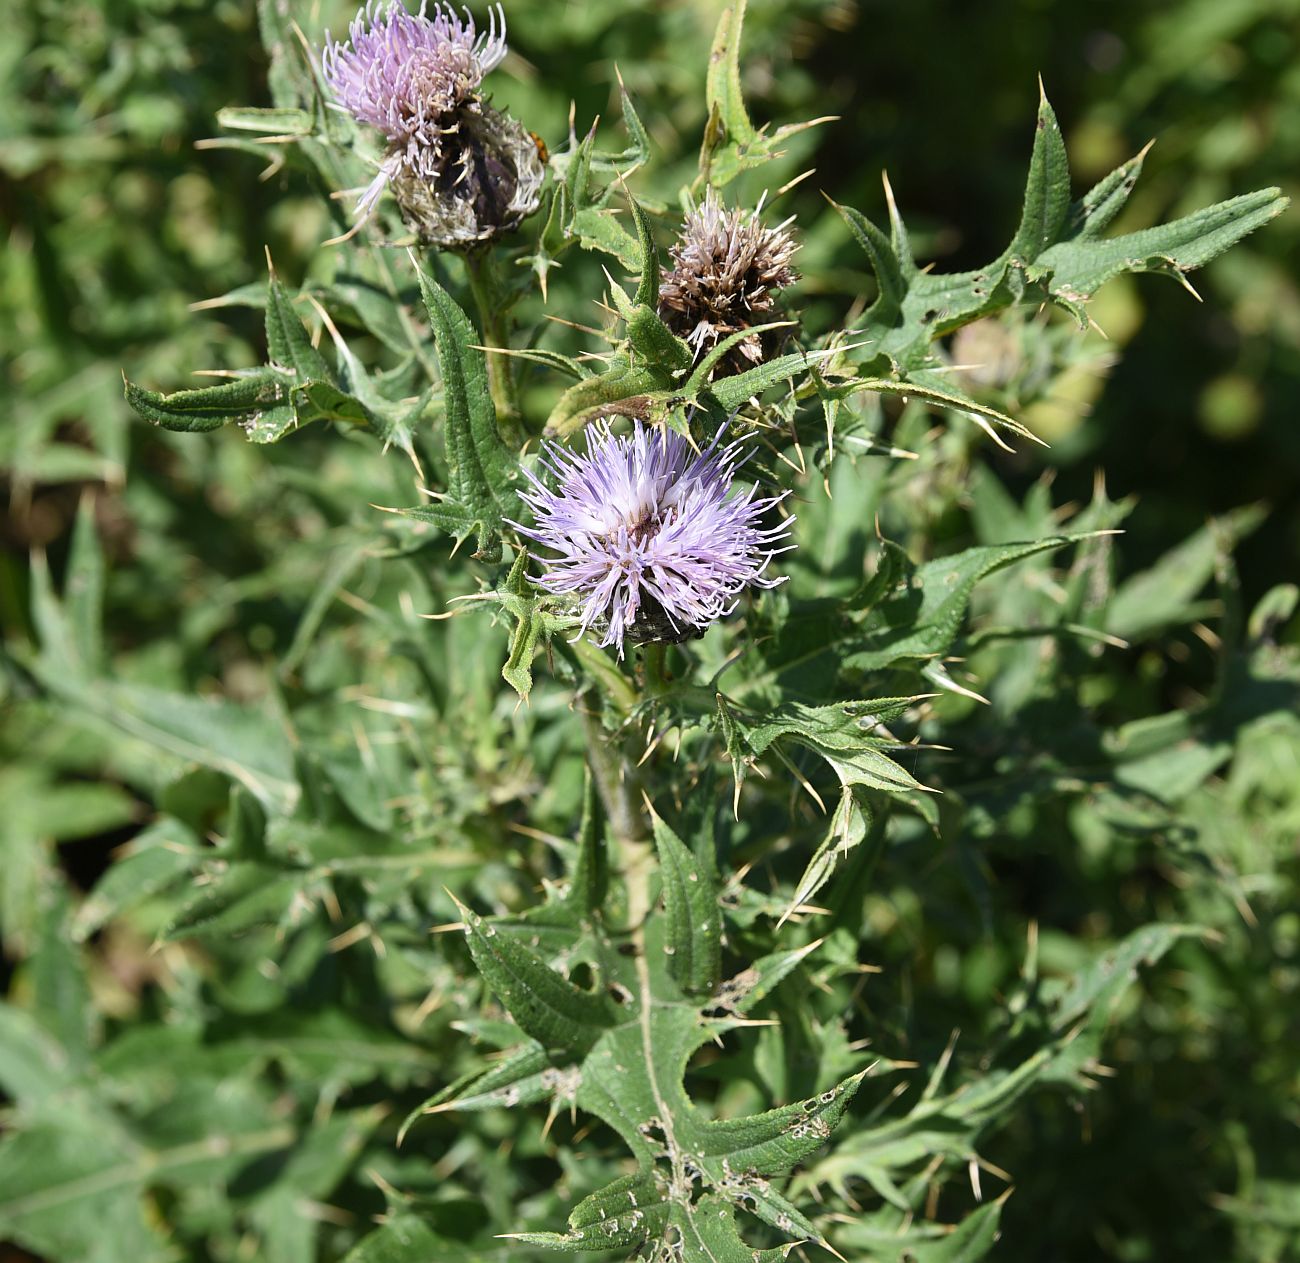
(727, 270)
(462, 172)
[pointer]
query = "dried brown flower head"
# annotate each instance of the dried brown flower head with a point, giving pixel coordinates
(727, 270)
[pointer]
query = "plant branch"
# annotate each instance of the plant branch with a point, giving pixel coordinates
(490, 301)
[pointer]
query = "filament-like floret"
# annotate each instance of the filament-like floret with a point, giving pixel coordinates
(651, 541)
(461, 170)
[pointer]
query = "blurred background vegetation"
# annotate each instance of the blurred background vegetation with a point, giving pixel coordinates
(117, 218)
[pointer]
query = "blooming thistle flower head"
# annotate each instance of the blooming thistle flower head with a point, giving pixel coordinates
(462, 171)
(727, 269)
(652, 543)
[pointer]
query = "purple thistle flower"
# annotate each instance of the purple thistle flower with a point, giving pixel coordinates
(462, 171)
(652, 543)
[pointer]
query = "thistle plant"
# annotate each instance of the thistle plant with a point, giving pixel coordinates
(729, 694)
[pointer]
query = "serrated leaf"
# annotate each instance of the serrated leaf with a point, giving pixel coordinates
(243, 400)
(693, 935)
(1075, 270)
(599, 229)
(547, 1007)
(879, 249)
(1047, 189)
(483, 471)
(288, 343)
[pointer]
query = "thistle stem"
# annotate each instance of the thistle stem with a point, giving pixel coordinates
(602, 672)
(485, 288)
(653, 654)
(615, 781)
(620, 794)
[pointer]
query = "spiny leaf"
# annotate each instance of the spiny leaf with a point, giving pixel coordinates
(1075, 270)
(211, 407)
(598, 229)
(1094, 211)
(693, 938)
(884, 263)
(1047, 190)
(620, 1215)
(483, 471)
(647, 290)
(848, 829)
(848, 735)
(287, 342)
(518, 1079)
(732, 143)
(548, 1007)
(529, 629)
(918, 617)
(1056, 255)
(589, 879)
(724, 97)
(772, 1143)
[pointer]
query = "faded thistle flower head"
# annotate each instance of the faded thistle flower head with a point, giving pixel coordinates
(727, 269)
(653, 544)
(462, 172)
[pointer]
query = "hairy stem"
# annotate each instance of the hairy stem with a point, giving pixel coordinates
(490, 301)
(619, 790)
(652, 658)
(603, 673)
(615, 781)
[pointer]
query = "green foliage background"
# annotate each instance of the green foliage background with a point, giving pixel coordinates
(199, 1093)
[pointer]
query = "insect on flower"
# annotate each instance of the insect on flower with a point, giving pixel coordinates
(462, 171)
(652, 542)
